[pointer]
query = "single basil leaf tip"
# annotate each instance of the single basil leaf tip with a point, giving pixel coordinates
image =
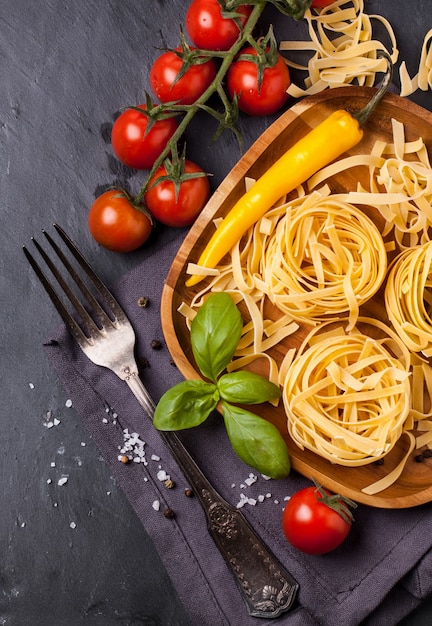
(215, 332)
(247, 388)
(256, 441)
(185, 405)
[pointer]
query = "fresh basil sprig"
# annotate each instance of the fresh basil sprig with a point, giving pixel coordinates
(215, 333)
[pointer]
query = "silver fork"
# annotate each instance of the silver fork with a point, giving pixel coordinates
(107, 338)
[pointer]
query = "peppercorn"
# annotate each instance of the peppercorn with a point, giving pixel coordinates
(143, 302)
(427, 453)
(143, 362)
(169, 513)
(124, 459)
(188, 492)
(169, 484)
(156, 344)
(419, 458)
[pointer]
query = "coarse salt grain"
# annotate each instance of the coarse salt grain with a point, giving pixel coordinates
(68, 403)
(72, 525)
(251, 480)
(31, 385)
(56, 421)
(133, 447)
(62, 481)
(155, 457)
(162, 475)
(156, 505)
(242, 501)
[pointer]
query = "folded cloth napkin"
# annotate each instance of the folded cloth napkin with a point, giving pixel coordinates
(381, 572)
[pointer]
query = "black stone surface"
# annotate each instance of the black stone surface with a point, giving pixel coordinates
(66, 68)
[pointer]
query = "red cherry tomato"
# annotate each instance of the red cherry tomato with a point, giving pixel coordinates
(116, 224)
(207, 28)
(242, 79)
(135, 145)
(319, 4)
(183, 209)
(188, 88)
(313, 526)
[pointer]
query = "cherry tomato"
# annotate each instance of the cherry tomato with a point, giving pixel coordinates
(135, 145)
(319, 4)
(183, 209)
(208, 29)
(116, 224)
(188, 88)
(312, 522)
(242, 79)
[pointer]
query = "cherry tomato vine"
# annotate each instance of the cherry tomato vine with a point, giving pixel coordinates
(207, 70)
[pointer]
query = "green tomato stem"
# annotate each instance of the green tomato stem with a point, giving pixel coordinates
(192, 109)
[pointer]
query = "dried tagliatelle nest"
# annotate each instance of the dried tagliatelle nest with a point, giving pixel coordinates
(324, 258)
(408, 298)
(347, 395)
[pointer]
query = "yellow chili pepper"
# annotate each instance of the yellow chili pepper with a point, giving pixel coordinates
(322, 145)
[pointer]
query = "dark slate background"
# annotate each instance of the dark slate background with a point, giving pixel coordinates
(66, 68)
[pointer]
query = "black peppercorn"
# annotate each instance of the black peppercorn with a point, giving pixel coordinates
(143, 362)
(169, 513)
(419, 458)
(156, 344)
(188, 492)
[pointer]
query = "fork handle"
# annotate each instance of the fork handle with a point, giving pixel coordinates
(267, 588)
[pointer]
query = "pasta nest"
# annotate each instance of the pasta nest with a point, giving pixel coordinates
(324, 257)
(408, 297)
(347, 396)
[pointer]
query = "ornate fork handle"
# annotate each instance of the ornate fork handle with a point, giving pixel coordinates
(267, 588)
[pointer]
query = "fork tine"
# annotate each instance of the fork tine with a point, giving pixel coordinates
(73, 327)
(99, 313)
(90, 328)
(100, 286)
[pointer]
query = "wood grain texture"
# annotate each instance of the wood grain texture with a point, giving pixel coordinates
(414, 486)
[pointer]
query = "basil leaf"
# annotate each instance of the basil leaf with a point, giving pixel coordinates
(185, 405)
(215, 332)
(247, 388)
(256, 441)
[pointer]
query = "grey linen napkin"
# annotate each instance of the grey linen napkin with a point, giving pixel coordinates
(381, 572)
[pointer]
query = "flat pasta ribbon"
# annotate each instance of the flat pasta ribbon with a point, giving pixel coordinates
(347, 396)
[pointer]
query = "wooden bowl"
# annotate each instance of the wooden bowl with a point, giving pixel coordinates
(414, 486)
